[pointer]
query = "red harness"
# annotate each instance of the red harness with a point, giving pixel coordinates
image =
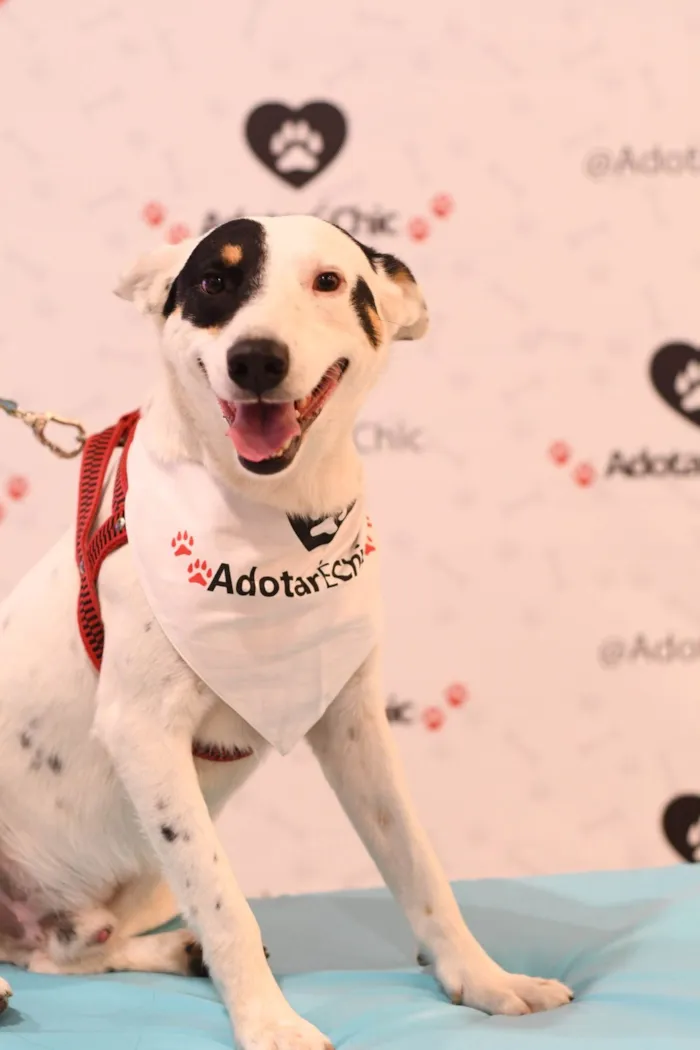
(93, 545)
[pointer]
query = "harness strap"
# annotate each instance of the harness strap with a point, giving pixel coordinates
(91, 550)
(92, 547)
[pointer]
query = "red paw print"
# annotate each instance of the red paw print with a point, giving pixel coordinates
(177, 232)
(369, 542)
(559, 453)
(199, 572)
(17, 487)
(456, 694)
(433, 718)
(182, 544)
(418, 229)
(442, 205)
(584, 475)
(153, 213)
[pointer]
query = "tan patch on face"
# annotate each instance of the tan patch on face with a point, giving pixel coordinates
(376, 323)
(231, 254)
(428, 910)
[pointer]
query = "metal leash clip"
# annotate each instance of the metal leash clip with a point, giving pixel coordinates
(38, 421)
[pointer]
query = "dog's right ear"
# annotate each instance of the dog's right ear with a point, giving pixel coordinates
(148, 282)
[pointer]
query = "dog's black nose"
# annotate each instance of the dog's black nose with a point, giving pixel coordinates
(257, 365)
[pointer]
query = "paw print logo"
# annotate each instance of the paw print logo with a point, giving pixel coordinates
(182, 544)
(199, 572)
(687, 386)
(296, 147)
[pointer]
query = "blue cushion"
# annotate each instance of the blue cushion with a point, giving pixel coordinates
(627, 942)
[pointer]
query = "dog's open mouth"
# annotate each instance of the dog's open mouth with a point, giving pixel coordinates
(267, 434)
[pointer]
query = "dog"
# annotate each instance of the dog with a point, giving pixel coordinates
(271, 333)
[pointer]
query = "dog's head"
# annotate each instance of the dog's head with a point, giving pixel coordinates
(279, 326)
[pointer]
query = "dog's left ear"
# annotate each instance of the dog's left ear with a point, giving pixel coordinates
(148, 281)
(401, 301)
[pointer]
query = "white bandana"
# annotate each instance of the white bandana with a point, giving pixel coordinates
(274, 613)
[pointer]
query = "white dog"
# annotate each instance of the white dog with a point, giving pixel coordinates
(241, 613)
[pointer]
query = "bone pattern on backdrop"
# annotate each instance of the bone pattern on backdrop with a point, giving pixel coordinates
(547, 301)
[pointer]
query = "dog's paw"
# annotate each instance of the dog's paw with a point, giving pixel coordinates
(289, 1032)
(495, 991)
(5, 995)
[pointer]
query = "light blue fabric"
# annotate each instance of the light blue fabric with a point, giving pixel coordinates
(628, 943)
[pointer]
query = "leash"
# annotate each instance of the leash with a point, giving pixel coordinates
(38, 422)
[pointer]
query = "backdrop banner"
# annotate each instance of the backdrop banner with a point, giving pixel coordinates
(533, 464)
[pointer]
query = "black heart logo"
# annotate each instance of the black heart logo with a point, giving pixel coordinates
(681, 824)
(296, 144)
(317, 532)
(675, 373)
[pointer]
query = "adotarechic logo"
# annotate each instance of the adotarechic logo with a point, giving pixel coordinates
(297, 145)
(674, 372)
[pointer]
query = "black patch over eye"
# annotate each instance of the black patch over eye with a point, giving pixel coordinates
(327, 282)
(213, 284)
(210, 289)
(366, 309)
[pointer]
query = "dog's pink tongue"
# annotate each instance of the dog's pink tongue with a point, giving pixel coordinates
(259, 430)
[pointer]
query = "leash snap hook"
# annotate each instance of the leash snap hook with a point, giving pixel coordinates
(39, 422)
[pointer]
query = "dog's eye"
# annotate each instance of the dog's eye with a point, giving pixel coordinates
(212, 284)
(327, 282)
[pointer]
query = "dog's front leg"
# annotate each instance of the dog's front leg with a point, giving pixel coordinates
(357, 753)
(147, 727)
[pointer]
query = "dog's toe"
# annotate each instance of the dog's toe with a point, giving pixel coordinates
(5, 995)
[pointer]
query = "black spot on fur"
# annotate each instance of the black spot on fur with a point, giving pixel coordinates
(55, 763)
(267, 954)
(161, 804)
(395, 268)
(218, 905)
(61, 923)
(148, 626)
(65, 930)
(422, 959)
(363, 302)
(240, 282)
(168, 833)
(25, 740)
(196, 966)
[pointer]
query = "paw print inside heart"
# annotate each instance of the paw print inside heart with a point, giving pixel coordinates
(199, 572)
(687, 386)
(182, 544)
(296, 147)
